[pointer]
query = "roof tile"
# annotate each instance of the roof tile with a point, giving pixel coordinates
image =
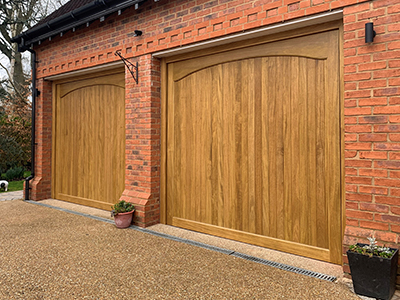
(66, 8)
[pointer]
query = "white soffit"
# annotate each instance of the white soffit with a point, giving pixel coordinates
(86, 71)
(276, 28)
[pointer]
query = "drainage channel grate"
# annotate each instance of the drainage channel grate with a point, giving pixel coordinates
(285, 267)
(205, 246)
(241, 255)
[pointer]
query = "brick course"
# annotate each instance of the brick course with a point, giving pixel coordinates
(371, 74)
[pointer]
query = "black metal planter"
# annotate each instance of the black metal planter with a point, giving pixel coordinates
(373, 276)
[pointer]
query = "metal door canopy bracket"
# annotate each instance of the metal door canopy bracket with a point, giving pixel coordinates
(133, 68)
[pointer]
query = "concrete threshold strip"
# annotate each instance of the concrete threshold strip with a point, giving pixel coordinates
(205, 246)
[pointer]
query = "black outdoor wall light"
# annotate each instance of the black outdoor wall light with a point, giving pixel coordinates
(369, 32)
(138, 33)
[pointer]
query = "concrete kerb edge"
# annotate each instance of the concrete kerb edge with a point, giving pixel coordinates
(202, 245)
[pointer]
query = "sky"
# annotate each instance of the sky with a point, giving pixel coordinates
(5, 62)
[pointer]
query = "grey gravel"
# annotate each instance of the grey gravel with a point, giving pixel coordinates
(50, 254)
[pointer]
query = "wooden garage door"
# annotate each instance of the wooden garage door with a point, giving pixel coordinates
(253, 145)
(89, 140)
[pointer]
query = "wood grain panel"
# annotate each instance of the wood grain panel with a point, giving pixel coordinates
(251, 238)
(253, 145)
(90, 141)
(317, 48)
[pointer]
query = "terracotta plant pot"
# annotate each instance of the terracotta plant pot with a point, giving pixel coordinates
(123, 220)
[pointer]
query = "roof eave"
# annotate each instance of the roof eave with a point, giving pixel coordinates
(82, 15)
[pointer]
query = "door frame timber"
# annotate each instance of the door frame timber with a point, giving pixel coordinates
(111, 70)
(264, 241)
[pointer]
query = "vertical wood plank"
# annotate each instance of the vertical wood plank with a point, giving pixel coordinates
(178, 107)
(258, 180)
(335, 207)
(247, 93)
(302, 148)
(311, 168)
(282, 94)
(172, 209)
(268, 144)
(163, 159)
(322, 218)
(216, 153)
(289, 209)
(294, 169)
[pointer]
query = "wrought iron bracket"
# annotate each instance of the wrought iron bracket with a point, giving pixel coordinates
(133, 68)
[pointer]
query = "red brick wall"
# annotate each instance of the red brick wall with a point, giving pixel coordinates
(41, 184)
(143, 142)
(371, 92)
(372, 123)
(168, 24)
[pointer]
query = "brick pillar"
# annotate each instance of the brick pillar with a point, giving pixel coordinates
(41, 184)
(143, 130)
(372, 125)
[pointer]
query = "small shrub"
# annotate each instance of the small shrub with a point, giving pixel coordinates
(372, 249)
(121, 207)
(15, 174)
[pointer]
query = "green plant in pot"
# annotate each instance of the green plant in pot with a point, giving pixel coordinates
(122, 213)
(373, 269)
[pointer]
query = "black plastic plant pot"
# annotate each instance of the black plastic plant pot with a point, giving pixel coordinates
(374, 276)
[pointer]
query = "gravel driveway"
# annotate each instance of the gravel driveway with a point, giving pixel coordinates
(50, 254)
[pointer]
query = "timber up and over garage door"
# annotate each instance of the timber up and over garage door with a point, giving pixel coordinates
(253, 148)
(89, 140)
